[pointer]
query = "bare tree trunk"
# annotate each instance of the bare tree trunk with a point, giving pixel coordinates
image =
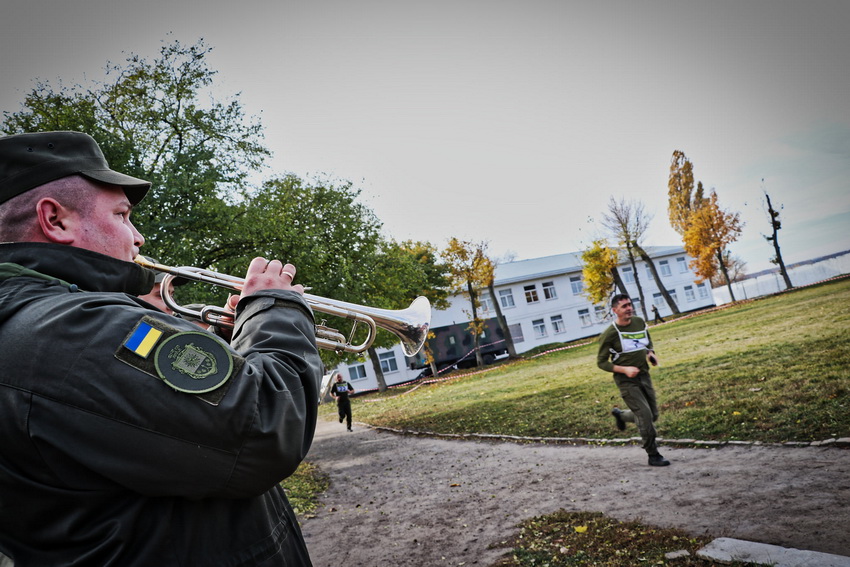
(776, 224)
(476, 338)
(503, 324)
(725, 273)
(618, 281)
(376, 366)
(637, 281)
(645, 257)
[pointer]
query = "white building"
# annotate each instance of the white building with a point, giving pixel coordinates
(542, 302)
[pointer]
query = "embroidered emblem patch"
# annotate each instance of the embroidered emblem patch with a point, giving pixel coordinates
(193, 362)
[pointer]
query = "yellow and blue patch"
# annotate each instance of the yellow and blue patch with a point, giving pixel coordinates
(143, 339)
(194, 362)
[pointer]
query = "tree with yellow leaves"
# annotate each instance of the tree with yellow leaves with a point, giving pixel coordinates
(709, 231)
(470, 270)
(599, 271)
(706, 229)
(682, 199)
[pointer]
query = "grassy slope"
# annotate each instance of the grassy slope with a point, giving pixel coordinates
(773, 369)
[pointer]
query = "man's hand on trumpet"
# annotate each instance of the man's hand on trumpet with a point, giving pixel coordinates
(262, 274)
(266, 274)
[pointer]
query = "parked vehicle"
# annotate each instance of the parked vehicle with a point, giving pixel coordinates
(453, 347)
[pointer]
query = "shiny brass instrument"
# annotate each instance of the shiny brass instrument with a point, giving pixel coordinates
(410, 325)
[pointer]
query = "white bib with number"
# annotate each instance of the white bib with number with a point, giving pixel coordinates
(633, 340)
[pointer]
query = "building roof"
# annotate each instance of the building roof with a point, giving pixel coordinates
(536, 268)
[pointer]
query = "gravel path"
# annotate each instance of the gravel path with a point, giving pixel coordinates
(399, 500)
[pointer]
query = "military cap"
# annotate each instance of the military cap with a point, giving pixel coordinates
(30, 160)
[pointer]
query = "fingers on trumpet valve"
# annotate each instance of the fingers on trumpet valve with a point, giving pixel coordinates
(277, 267)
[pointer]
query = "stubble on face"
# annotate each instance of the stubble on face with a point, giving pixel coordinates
(624, 312)
(105, 226)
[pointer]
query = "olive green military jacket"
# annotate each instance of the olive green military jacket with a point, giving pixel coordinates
(611, 349)
(132, 437)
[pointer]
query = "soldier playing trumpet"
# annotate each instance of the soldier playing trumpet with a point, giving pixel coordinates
(133, 437)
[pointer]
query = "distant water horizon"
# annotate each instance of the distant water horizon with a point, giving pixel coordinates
(770, 281)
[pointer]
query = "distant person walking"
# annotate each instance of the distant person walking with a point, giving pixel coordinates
(625, 349)
(340, 391)
(658, 317)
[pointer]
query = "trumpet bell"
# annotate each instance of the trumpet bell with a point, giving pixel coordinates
(410, 325)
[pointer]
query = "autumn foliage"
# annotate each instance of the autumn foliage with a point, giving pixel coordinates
(598, 263)
(706, 229)
(709, 231)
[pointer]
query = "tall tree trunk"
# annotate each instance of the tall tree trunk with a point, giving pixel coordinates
(776, 224)
(618, 281)
(725, 273)
(476, 338)
(376, 366)
(637, 281)
(503, 324)
(645, 257)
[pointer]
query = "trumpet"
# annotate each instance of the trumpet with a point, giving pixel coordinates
(410, 325)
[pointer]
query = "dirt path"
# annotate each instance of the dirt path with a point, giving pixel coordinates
(417, 501)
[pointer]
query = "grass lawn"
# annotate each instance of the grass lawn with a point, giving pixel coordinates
(773, 369)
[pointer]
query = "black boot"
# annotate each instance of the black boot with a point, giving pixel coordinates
(618, 417)
(658, 461)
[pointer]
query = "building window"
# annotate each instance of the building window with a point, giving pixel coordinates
(657, 299)
(672, 294)
(637, 305)
(516, 333)
(703, 291)
(584, 317)
(576, 284)
(558, 326)
(531, 294)
(357, 372)
(539, 328)
(549, 290)
(507, 298)
(648, 271)
(689, 293)
(628, 275)
(486, 302)
(665, 267)
(388, 363)
(683, 265)
(600, 313)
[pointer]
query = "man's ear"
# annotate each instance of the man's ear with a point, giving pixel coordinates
(58, 223)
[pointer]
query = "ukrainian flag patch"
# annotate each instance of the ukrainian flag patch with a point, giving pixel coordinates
(194, 362)
(143, 339)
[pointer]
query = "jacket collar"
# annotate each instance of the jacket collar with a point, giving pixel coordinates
(88, 270)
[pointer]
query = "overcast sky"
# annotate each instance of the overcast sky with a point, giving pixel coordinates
(511, 122)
